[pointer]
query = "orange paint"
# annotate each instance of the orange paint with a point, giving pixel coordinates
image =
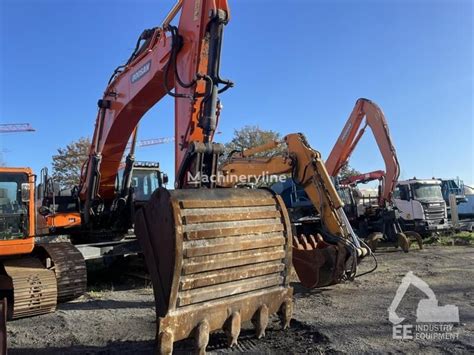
(23, 245)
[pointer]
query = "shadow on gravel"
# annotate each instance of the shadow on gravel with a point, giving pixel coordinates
(135, 347)
(104, 304)
(301, 291)
(300, 338)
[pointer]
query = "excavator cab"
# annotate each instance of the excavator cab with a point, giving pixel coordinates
(16, 210)
(46, 273)
(146, 178)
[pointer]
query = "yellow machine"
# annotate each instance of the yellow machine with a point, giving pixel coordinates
(331, 253)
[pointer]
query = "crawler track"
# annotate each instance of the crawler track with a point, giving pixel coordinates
(34, 287)
(70, 269)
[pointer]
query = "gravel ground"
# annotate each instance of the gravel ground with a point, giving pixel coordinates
(116, 316)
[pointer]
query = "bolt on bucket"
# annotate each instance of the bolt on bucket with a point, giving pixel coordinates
(217, 258)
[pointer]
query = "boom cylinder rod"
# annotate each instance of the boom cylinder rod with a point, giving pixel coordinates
(172, 13)
(208, 121)
(127, 175)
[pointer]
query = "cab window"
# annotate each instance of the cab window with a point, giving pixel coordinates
(401, 192)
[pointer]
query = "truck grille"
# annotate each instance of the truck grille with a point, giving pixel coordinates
(434, 214)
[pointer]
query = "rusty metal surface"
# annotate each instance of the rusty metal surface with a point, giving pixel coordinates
(318, 263)
(34, 287)
(216, 257)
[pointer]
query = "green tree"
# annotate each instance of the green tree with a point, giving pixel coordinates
(67, 164)
(250, 137)
(348, 171)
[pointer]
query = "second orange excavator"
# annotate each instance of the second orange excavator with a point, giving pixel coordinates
(379, 220)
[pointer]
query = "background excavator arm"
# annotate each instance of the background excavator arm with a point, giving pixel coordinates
(352, 133)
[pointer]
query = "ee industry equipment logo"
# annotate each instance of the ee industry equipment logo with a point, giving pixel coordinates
(433, 322)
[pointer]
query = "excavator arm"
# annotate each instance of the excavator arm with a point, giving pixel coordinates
(306, 167)
(341, 152)
(352, 133)
(308, 170)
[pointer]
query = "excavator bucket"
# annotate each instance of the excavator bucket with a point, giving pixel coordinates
(318, 263)
(217, 258)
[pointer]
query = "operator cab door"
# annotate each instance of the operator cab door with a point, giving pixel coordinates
(403, 201)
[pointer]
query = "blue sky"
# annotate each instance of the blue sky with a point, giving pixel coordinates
(299, 66)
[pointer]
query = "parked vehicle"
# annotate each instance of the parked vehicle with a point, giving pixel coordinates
(421, 205)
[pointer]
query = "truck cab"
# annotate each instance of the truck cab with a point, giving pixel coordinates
(421, 205)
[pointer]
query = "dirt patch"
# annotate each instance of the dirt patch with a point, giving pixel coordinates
(117, 315)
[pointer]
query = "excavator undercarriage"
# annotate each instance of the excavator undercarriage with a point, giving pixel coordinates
(34, 284)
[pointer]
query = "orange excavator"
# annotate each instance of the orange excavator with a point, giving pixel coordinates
(34, 275)
(380, 220)
(217, 257)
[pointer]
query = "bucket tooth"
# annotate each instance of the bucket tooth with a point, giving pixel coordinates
(165, 343)
(232, 329)
(285, 313)
(260, 321)
(218, 255)
(201, 337)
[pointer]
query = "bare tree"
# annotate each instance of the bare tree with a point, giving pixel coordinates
(68, 162)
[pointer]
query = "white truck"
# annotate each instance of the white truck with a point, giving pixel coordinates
(421, 205)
